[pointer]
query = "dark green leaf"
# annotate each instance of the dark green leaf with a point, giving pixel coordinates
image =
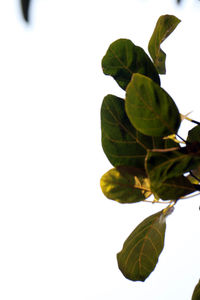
(150, 109)
(194, 134)
(194, 176)
(172, 189)
(165, 171)
(142, 248)
(169, 144)
(123, 59)
(124, 188)
(25, 5)
(164, 27)
(194, 139)
(124, 170)
(196, 293)
(161, 166)
(121, 142)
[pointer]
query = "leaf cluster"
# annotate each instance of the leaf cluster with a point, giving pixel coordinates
(140, 139)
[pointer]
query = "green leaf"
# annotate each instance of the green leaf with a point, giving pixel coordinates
(173, 189)
(130, 170)
(121, 142)
(164, 27)
(123, 58)
(161, 166)
(165, 171)
(194, 138)
(194, 134)
(196, 293)
(124, 188)
(150, 109)
(141, 250)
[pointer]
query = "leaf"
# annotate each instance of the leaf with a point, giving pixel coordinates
(121, 142)
(25, 5)
(173, 189)
(123, 58)
(141, 250)
(165, 171)
(150, 109)
(194, 142)
(196, 293)
(124, 170)
(164, 27)
(194, 134)
(161, 166)
(124, 188)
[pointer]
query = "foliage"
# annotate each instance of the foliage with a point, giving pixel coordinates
(140, 139)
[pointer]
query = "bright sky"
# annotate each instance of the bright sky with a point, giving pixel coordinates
(58, 234)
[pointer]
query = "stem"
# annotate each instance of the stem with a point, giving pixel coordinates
(182, 139)
(188, 197)
(196, 122)
(159, 202)
(170, 208)
(165, 150)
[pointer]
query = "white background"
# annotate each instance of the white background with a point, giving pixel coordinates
(58, 234)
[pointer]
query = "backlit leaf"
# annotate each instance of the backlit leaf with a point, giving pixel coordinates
(141, 250)
(124, 188)
(150, 109)
(123, 58)
(196, 293)
(164, 27)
